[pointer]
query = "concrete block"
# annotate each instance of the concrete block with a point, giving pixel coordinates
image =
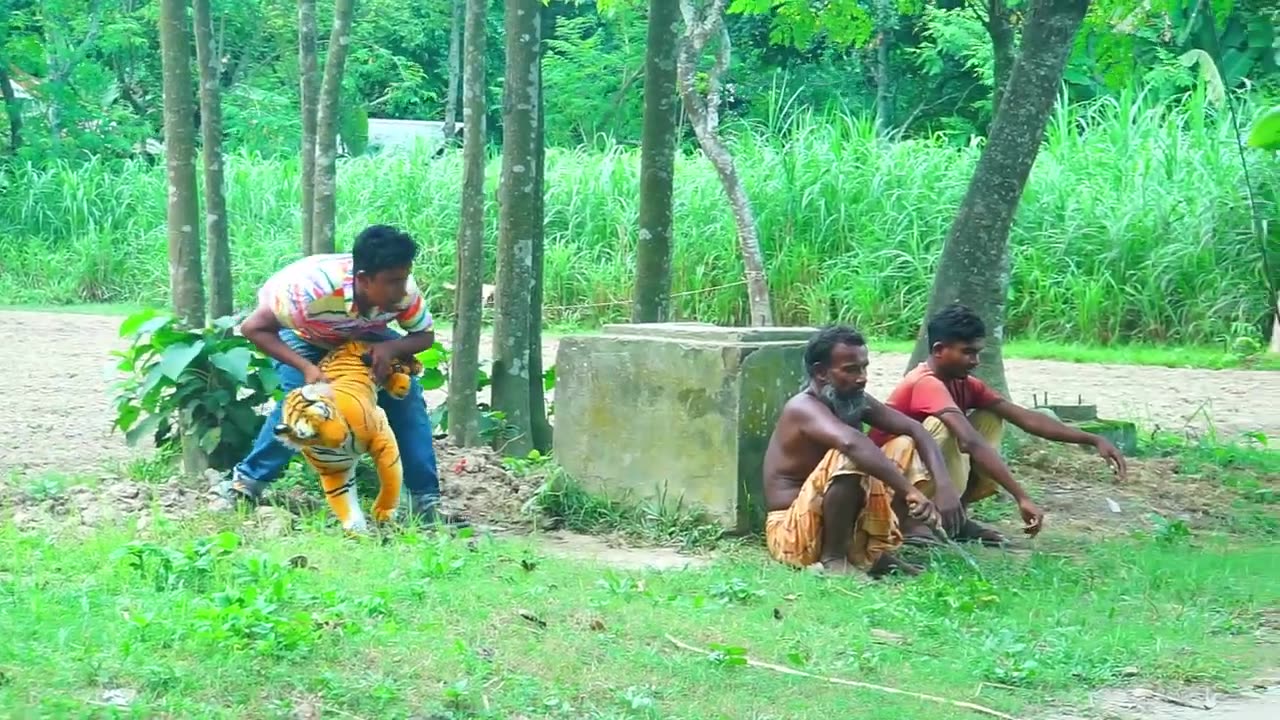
(680, 412)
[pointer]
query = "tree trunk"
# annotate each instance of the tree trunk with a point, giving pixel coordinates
(657, 165)
(455, 51)
(326, 171)
(1004, 52)
(186, 287)
(464, 418)
(538, 425)
(884, 92)
(309, 83)
(11, 107)
(1275, 328)
(215, 203)
(974, 268)
(516, 225)
(704, 115)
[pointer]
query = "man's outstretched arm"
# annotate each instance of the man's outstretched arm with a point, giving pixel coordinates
(1042, 425)
(988, 460)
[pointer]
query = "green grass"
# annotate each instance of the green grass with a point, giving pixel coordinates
(1134, 227)
(222, 626)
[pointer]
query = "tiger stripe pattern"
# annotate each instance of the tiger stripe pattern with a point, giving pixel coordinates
(333, 424)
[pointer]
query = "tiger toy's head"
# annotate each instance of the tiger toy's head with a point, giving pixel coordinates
(310, 417)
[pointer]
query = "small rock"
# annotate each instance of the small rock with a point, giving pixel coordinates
(213, 477)
(120, 697)
(126, 490)
(1129, 671)
(220, 504)
(274, 521)
(143, 522)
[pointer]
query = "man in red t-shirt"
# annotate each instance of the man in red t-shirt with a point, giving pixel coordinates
(966, 418)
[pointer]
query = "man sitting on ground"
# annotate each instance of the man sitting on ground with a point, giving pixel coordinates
(966, 418)
(831, 493)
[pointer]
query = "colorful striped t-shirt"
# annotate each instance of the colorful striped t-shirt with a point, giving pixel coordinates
(315, 297)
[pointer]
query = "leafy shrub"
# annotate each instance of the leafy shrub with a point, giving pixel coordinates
(204, 382)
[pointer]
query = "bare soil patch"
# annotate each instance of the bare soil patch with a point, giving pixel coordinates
(58, 385)
(65, 407)
(1259, 701)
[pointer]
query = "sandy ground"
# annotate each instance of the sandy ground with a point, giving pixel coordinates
(60, 370)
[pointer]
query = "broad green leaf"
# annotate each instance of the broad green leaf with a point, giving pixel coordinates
(176, 358)
(135, 323)
(211, 438)
(225, 322)
(1265, 133)
(549, 378)
(432, 379)
(142, 429)
(235, 362)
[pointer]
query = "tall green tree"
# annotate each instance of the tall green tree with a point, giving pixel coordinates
(186, 287)
(324, 220)
(657, 165)
(468, 298)
(518, 224)
(704, 23)
(974, 267)
(309, 93)
(215, 204)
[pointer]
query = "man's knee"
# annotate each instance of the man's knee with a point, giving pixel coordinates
(988, 424)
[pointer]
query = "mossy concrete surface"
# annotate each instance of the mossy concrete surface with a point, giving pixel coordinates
(676, 412)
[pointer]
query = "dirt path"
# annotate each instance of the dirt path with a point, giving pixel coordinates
(60, 369)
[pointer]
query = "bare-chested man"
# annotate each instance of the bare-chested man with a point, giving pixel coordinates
(833, 496)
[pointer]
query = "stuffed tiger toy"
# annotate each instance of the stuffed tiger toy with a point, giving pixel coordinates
(333, 424)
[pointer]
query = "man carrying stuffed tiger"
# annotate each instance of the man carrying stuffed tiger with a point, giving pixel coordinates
(316, 304)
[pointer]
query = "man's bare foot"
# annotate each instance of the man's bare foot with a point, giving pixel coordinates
(839, 566)
(889, 563)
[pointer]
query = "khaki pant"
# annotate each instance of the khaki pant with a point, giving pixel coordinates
(970, 483)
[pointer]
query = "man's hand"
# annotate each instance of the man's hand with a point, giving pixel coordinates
(312, 374)
(1032, 517)
(1113, 456)
(381, 356)
(920, 507)
(947, 503)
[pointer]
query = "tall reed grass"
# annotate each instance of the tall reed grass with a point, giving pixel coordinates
(1134, 226)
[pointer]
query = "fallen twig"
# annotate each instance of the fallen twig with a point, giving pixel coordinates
(855, 683)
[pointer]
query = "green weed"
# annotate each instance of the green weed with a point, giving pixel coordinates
(447, 626)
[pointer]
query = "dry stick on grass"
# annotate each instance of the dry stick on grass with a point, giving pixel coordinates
(855, 683)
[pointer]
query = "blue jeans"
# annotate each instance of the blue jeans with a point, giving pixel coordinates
(408, 419)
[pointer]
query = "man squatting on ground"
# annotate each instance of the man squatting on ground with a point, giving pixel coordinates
(320, 302)
(965, 417)
(825, 481)
(821, 473)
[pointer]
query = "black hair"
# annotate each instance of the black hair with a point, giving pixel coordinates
(818, 352)
(382, 247)
(955, 323)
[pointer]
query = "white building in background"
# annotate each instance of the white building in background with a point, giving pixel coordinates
(386, 134)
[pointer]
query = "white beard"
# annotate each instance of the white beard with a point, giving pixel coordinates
(848, 409)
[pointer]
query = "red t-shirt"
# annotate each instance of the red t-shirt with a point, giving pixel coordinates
(922, 394)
